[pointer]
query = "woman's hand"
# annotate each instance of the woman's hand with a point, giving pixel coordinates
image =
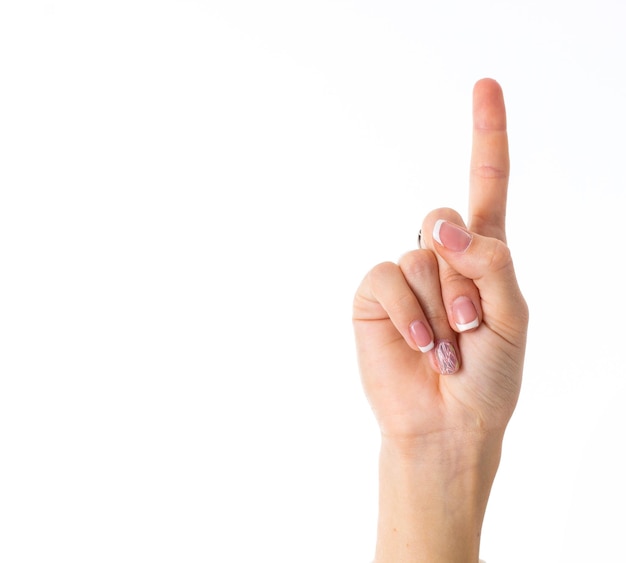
(414, 321)
(440, 342)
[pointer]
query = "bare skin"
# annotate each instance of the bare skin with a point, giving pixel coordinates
(442, 409)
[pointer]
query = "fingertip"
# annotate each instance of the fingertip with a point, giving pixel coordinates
(489, 109)
(486, 82)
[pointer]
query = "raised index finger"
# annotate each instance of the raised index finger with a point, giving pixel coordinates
(489, 169)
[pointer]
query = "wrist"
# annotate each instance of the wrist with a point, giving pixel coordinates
(433, 496)
(449, 454)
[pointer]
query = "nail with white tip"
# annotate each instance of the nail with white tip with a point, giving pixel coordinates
(421, 336)
(464, 314)
(451, 236)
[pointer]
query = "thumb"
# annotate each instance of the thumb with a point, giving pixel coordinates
(487, 262)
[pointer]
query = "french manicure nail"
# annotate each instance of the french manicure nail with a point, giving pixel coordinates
(464, 313)
(451, 236)
(447, 359)
(421, 336)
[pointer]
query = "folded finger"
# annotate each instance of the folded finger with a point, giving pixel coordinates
(421, 272)
(487, 262)
(460, 295)
(386, 294)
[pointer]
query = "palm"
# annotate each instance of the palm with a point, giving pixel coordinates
(407, 403)
(417, 400)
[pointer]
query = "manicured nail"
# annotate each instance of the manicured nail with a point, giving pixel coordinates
(421, 336)
(451, 236)
(446, 357)
(464, 313)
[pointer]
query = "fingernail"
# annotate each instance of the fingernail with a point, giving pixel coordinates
(446, 357)
(451, 236)
(464, 313)
(421, 336)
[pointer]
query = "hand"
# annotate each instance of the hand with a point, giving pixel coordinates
(399, 309)
(440, 343)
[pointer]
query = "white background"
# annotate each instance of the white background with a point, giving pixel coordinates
(190, 193)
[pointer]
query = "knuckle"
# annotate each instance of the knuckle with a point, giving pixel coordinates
(370, 287)
(490, 172)
(401, 303)
(379, 277)
(449, 276)
(418, 264)
(381, 272)
(497, 256)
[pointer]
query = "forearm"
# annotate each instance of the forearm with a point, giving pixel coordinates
(432, 499)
